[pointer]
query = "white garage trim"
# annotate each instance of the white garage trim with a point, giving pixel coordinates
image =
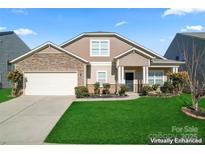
(50, 83)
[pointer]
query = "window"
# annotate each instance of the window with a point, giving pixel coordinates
(177, 58)
(156, 77)
(181, 57)
(101, 77)
(99, 48)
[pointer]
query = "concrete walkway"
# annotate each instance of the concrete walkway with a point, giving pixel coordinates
(29, 119)
(129, 97)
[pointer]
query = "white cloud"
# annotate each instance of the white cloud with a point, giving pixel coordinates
(183, 30)
(182, 11)
(162, 40)
(120, 23)
(192, 28)
(25, 31)
(19, 11)
(2, 28)
(197, 27)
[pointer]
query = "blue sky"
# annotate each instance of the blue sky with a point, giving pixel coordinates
(153, 28)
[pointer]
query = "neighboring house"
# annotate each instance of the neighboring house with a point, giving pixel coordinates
(88, 58)
(11, 46)
(187, 41)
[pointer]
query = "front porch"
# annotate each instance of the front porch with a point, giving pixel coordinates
(136, 68)
(137, 76)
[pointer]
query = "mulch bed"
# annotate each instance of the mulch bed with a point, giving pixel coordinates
(193, 113)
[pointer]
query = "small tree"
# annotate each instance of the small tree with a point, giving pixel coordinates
(16, 77)
(193, 63)
(178, 80)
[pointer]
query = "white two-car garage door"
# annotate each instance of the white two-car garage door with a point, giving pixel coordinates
(50, 83)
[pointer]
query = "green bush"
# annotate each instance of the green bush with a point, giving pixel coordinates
(155, 86)
(146, 89)
(81, 92)
(179, 81)
(106, 88)
(167, 87)
(123, 89)
(97, 88)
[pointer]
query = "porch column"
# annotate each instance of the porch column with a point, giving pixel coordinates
(175, 69)
(119, 74)
(145, 74)
(123, 75)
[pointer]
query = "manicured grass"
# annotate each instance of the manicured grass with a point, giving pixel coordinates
(123, 122)
(5, 94)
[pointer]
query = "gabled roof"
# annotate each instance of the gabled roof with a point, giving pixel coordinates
(168, 61)
(43, 46)
(200, 35)
(11, 46)
(6, 33)
(112, 34)
(131, 50)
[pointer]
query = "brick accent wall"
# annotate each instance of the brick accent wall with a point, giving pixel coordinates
(91, 88)
(52, 60)
(115, 87)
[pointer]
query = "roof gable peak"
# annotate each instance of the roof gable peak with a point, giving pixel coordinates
(113, 34)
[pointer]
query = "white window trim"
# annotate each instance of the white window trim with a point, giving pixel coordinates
(91, 55)
(154, 75)
(106, 81)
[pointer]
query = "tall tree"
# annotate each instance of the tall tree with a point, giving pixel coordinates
(193, 57)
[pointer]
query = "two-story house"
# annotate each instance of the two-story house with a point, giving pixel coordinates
(104, 57)
(11, 46)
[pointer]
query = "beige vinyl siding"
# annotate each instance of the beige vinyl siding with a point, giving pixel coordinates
(81, 47)
(92, 73)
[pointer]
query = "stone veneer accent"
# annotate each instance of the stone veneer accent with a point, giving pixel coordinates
(91, 88)
(52, 60)
(115, 88)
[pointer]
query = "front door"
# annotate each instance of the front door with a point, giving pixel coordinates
(129, 80)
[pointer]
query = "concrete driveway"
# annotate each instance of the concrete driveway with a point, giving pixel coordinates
(29, 119)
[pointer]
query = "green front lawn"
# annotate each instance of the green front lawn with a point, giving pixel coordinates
(124, 122)
(5, 95)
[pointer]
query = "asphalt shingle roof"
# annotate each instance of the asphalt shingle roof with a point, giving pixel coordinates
(6, 33)
(200, 35)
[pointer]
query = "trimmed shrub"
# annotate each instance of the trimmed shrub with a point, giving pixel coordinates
(167, 87)
(106, 88)
(123, 90)
(81, 92)
(16, 77)
(146, 89)
(97, 88)
(179, 81)
(155, 86)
